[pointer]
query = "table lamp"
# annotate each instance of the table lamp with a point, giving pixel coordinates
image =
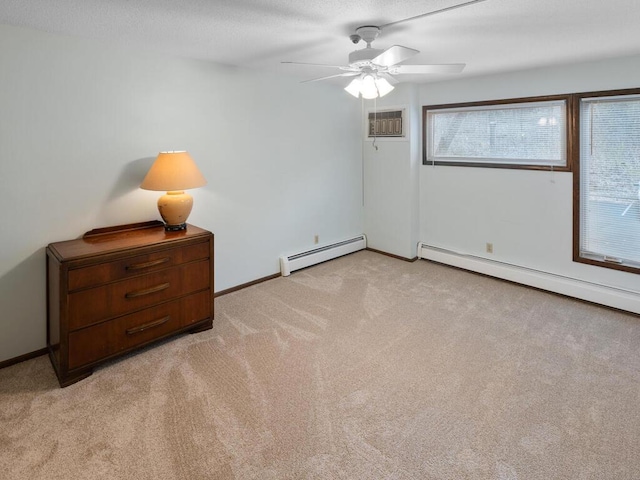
(174, 172)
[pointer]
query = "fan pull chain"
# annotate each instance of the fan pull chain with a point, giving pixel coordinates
(375, 121)
(362, 149)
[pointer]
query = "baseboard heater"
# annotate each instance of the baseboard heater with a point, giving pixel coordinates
(305, 259)
(611, 296)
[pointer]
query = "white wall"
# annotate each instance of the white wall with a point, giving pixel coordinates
(527, 215)
(81, 122)
(391, 173)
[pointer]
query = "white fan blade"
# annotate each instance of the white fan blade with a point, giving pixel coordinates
(314, 64)
(393, 55)
(347, 68)
(348, 74)
(435, 68)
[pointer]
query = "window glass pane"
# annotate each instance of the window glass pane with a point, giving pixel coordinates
(532, 133)
(609, 179)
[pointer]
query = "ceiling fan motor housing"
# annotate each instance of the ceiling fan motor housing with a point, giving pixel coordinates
(363, 57)
(368, 33)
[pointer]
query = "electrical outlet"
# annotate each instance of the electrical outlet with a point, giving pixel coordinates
(489, 247)
(316, 239)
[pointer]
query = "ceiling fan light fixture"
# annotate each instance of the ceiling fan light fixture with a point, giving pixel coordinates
(354, 87)
(368, 89)
(383, 86)
(370, 86)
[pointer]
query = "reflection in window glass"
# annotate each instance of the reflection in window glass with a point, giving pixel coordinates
(532, 133)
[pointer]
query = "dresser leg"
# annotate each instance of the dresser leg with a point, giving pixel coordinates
(208, 325)
(70, 379)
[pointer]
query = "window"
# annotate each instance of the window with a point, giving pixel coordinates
(520, 133)
(608, 209)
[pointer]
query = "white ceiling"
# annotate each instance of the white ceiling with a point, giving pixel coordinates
(489, 36)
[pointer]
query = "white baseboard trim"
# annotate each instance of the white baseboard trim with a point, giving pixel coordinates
(321, 254)
(615, 297)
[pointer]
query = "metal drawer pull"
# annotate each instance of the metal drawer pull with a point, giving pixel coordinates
(146, 326)
(152, 263)
(146, 291)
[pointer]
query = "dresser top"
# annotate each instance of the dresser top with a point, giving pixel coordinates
(122, 237)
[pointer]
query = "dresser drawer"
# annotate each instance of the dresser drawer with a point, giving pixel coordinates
(88, 307)
(112, 337)
(136, 265)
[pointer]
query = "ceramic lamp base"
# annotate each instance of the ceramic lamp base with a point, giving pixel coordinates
(175, 208)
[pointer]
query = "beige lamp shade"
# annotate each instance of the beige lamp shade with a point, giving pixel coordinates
(174, 172)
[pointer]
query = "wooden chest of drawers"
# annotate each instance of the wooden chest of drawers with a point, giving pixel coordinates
(117, 289)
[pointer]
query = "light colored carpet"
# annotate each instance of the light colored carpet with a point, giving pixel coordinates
(365, 367)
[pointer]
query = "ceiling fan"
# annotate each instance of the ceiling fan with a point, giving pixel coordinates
(376, 69)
